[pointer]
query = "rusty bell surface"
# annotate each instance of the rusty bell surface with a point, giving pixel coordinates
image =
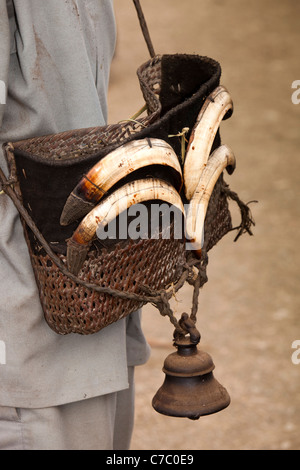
(190, 389)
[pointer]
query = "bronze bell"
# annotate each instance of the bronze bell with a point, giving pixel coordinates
(189, 389)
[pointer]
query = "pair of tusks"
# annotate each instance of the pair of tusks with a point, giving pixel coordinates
(214, 109)
(113, 168)
(202, 169)
(107, 210)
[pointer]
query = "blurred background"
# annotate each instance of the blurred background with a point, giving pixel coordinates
(249, 309)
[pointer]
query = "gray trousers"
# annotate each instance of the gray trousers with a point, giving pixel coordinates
(101, 423)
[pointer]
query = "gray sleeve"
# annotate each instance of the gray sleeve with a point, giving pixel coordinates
(4, 55)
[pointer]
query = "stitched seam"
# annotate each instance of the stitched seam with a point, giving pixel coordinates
(21, 424)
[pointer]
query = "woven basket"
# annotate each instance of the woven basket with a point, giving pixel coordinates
(49, 167)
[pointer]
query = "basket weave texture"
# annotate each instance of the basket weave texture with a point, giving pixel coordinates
(43, 162)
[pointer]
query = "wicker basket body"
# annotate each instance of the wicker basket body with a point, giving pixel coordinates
(49, 167)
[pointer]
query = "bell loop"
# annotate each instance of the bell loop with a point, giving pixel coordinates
(188, 326)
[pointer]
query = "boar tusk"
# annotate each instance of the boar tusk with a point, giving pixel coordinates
(113, 168)
(220, 159)
(107, 210)
(214, 109)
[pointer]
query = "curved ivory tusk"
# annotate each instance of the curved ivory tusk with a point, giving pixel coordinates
(220, 159)
(107, 210)
(202, 137)
(113, 168)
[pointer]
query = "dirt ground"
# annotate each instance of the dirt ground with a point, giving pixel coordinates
(249, 309)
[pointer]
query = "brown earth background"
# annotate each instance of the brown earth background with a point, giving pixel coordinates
(249, 309)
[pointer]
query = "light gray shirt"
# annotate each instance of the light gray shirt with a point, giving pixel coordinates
(55, 58)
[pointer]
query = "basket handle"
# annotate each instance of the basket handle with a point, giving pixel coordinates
(144, 27)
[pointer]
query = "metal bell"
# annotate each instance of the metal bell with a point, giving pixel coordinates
(189, 389)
